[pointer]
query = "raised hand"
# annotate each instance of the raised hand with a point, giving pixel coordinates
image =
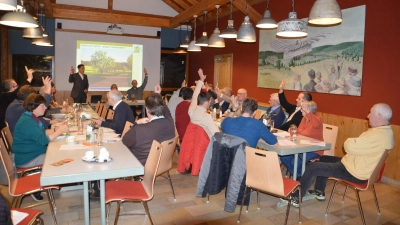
(47, 84)
(282, 85)
(145, 71)
(29, 72)
(234, 102)
(72, 69)
(183, 83)
(217, 91)
(201, 75)
(157, 89)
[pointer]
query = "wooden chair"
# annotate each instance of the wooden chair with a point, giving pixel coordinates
(264, 174)
(110, 114)
(128, 126)
(98, 108)
(166, 159)
(122, 191)
(330, 135)
(20, 187)
(259, 113)
(32, 218)
(104, 111)
(360, 187)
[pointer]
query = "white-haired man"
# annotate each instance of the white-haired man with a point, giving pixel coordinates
(275, 111)
(363, 154)
(122, 113)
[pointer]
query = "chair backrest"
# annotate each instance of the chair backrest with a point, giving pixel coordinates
(110, 114)
(128, 126)
(7, 137)
(263, 171)
(103, 111)
(151, 167)
(259, 113)
(98, 108)
(330, 133)
(9, 168)
(168, 153)
(375, 174)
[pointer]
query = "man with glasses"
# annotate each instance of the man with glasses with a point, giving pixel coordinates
(236, 102)
(275, 111)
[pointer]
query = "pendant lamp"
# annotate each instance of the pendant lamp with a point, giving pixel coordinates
(36, 32)
(246, 32)
(8, 5)
(292, 27)
(267, 22)
(325, 12)
(18, 18)
(203, 41)
(230, 31)
(215, 40)
(186, 43)
(192, 46)
(45, 41)
(179, 49)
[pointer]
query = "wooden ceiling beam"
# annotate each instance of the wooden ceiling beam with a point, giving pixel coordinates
(49, 7)
(184, 4)
(108, 16)
(252, 13)
(174, 5)
(196, 9)
(110, 4)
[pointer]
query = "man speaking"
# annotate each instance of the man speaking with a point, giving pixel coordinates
(81, 84)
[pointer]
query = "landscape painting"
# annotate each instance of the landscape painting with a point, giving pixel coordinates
(328, 60)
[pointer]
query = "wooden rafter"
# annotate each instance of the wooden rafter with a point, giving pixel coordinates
(174, 5)
(110, 4)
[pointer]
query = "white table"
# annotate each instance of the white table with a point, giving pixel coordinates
(124, 164)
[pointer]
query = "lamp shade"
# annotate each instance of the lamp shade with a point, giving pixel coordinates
(8, 5)
(267, 22)
(35, 32)
(45, 34)
(325, 12)
(215, 40)
(292, 27)
(45, 41)
(180, 50)
(18, 19)
(193, 47)
(246, 32)
(203, 41)
(230, 31)
(186, 43)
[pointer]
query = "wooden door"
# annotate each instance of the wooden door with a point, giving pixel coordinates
(223, 70)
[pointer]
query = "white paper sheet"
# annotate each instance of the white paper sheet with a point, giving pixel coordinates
(111, 137)
(73, 147)
(107, 130)
(286, 143)
(282, 134)
(17, 216)
(319, 143)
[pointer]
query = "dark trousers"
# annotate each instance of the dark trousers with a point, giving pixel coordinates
(328, 166)
(80, 98)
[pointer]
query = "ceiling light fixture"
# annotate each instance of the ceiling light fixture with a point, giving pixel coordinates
(18, 18)
(45, 41)
(34, 32)
(230, 31)
(292, 27)
(246, 32)
(192, 46)
(325, 12)
(203, 41)
(8, 5)
(215, 40)
(179, 49)
(186, 43)
(267, 22)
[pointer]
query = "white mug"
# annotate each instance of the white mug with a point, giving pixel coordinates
(89, 155)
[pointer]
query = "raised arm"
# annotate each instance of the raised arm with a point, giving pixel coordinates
(143, 86)
(196, 92)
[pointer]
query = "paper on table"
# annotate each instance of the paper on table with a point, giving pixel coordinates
(286, 143)
(17, 216)
(73, 147)
(107, 130)
(319, 143)
(111, 137)
(282, 134)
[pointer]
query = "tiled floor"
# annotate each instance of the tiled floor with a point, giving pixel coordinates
(188, 209)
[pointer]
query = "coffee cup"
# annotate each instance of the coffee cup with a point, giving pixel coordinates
(89, 155)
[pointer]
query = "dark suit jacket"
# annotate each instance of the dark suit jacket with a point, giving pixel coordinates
(79, 84)
(224, 106)
(140, 137)
(122, 114)
(296, 119)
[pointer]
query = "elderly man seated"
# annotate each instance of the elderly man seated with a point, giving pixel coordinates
(363, 154)
(275, 111)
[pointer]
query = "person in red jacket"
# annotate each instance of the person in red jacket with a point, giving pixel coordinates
(310, 126)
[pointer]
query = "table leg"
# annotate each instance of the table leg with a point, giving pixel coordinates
(103, 202)
(294, 175)
(143, 111)
(86, 204)
(303, 166)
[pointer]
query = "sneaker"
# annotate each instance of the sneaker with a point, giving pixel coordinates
(295, 201)
(319, 195)
(37, 196)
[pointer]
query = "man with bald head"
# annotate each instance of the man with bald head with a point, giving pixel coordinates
(236, 102)
(136, 91)
(122, 113)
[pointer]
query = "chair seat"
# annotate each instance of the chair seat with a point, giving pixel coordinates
(289, 185)
(361, 186)
(22, 170)
(30, 184)
(123, 189)
(32, 215)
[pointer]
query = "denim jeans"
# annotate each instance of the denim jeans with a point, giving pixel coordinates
(288, 161)
(328, 166)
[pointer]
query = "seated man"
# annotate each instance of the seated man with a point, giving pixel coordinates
(363, 154)
(175, 99)
(158, 126)
(294, 111)
(241, 96)
(247, 127)
(198, 108)
(122, 113)
(275, 111)
(181, 113)
(220, 103)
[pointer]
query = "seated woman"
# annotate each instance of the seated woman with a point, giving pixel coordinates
(310, 126)
(114, 87)
(30, 136)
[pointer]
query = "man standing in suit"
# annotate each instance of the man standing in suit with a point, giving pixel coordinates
(81, 84)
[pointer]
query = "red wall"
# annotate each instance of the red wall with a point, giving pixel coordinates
(380, 77)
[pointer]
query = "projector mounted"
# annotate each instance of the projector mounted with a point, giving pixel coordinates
(114, 29)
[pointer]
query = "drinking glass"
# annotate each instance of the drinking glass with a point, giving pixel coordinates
(99, 136)
(133, 97)
(80, 126)
(293, 132)
(271, 123)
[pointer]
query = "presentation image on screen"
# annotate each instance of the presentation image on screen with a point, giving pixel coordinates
(109, 63)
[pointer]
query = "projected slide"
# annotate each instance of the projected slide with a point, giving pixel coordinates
(109, 63)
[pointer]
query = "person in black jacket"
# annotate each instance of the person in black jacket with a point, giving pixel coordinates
(294, 111)
(81, 84)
